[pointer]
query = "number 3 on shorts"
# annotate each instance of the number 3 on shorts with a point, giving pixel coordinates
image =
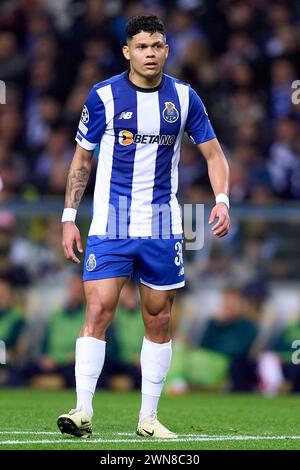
(179, 258)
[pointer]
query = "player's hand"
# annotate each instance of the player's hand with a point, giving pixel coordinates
(71, 237)
(220, 212)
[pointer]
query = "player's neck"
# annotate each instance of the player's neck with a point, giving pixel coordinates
(142, 82)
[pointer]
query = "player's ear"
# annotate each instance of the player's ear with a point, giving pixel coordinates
(167, 50)
(126, 52)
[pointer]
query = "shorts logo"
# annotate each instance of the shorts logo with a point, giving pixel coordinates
(181, 271)
(85, 115)
(91, 262)
(170, 113)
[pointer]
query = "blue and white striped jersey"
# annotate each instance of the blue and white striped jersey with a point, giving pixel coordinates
(139, 132)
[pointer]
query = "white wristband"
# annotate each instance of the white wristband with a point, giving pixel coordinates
(69, 215)
(222, 197)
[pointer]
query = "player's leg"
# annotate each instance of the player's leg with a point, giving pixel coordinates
(161, 272)
(101, 301)
(155, 357)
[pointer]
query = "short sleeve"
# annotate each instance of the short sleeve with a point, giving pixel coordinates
(198, 125)
(92, 122)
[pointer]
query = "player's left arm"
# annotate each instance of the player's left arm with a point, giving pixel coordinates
(218, 172)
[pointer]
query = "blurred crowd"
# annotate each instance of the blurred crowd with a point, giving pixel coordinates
(241, 57)
(237, 343)
(235, 327)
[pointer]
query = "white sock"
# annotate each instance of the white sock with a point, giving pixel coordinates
(149, 405)
(90, 354)
(85, 399)
(155, 362)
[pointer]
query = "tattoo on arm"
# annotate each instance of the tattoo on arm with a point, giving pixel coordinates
(76, 184)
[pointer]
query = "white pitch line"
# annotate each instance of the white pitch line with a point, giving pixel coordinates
(110, 441)
(47, 433)
(57, 433)
(30, 432)
(182, 435)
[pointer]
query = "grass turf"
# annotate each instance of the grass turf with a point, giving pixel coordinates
(212, 418)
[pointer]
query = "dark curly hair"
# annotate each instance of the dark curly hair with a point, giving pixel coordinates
(149, 24)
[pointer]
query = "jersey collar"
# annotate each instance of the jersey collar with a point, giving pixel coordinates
(143, 90)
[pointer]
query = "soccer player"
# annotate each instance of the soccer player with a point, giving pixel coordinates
(138, 119)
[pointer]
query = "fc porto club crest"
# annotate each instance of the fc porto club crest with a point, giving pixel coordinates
(170, 113)
(91, 262)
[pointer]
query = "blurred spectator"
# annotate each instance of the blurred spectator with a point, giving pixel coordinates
(182, 30)
(191, 168)
(220, 354)
(89, 73)
(13, 172)
(53, 165)
(12, 61)
(279, 362)
(230, 334)
(241, 49)
(11, 329)
(281, 32)
(59, 341)
(246, 108)
(97, 50)
(15, 273)
(10, 127)
(283, 73)
(41, 253)
(284, 159)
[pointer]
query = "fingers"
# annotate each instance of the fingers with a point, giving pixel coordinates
(221, 228)
(222, 232)
(71, 238)
(73, 257)
(69, 252)
(212, 215)
(79, 244)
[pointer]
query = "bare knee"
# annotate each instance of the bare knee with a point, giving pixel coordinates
(99, 315)
(163, 318)
(158, 325)
(158, 307)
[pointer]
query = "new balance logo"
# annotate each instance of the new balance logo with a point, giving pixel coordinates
(181, 272)
(126, 115)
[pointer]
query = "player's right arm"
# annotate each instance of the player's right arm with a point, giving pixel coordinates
(78, 177)
(91, 127)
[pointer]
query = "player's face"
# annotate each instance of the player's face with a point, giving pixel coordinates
(147, 54)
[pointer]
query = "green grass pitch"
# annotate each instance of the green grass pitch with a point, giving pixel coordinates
(203, 421)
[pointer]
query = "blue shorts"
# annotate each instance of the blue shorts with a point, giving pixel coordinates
(157, 263)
